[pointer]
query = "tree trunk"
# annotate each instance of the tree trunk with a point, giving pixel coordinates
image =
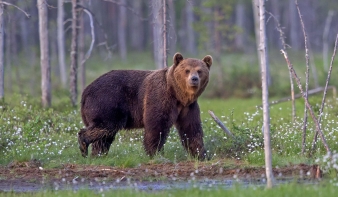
(294, 26)
(157, 9)
(240, 23)
(256, 11)
(121, 30)
(73, 54)
(81, 42)
(265, 94)
(2, 66)
(61, 44)
(44, 54)
(325, 39)
(172, 37)
(137, 37)
(191, 42)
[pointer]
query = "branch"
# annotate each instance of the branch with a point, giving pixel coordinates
(6, 3)
(313, 91)
(307, 104)
(101, 28)
(326, 87)
(306, 74)
(282, 38)
(93, 36)
(223, 127)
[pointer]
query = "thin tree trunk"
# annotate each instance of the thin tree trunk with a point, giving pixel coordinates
(314, 142)
(157, 9)
(44, 54)
(294, 26)
(190, 33)
(265, 95)
(240, 23)
(81, 42)
(255, 4)
(137, 36)
(61, 44)
(9, 56)
(2, 66)
(325, 39)
(172, 37)
(121, 30)
(73, 54)
(306, 78)
(164, 34)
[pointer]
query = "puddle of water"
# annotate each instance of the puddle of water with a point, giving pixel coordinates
(6, 186)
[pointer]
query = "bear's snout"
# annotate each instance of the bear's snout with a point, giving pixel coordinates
(194, 80)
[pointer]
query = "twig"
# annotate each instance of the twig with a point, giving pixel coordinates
(282, 38)
(310, 92)
(6, 3)
(223, 127)
(92, 33)
(314, 142)
(306, 76)
(307, 104)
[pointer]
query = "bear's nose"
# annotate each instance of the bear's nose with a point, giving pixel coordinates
(194, 79)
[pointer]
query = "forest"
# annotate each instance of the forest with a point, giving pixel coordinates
(114, 30)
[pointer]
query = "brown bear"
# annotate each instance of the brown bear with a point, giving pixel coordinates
(153, 100)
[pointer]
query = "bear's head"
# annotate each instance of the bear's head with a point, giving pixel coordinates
(190, 76)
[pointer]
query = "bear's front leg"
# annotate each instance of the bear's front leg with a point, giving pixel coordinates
(190, 130)
(156, 131)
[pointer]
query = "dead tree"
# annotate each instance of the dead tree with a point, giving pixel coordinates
(61, 43)
(73, 53)
(2, 66)
(158, 9)
(265, 94)
(44, 54)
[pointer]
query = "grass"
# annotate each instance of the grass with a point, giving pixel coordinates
(292, 189)
(50, 135)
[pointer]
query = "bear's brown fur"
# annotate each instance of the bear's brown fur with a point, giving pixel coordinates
(153, 100)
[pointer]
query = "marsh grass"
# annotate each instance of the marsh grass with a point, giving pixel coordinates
(50, 135)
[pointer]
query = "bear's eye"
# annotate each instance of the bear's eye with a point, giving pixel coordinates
(199, 71)
(187, 71)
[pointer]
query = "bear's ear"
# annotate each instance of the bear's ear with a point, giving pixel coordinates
(177, 58)
(208, 60)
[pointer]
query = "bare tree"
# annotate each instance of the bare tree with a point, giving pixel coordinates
(256, 11)
(44, 54)
(325, 39)
(157, 10)
(191, 43)
(121, 31)
(2, 66)
(172, 37)
(61, 43)
(81, 50)
(73, 53)
(265, 94)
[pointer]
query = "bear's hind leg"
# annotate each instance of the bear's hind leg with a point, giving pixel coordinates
(101, 147)
(88, 136)
(83, 145)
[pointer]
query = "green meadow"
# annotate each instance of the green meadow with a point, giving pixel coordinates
(49, 135)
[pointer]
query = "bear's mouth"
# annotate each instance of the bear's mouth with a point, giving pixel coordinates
(194, 84)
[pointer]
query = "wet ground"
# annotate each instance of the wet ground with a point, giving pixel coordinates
(29, 176)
